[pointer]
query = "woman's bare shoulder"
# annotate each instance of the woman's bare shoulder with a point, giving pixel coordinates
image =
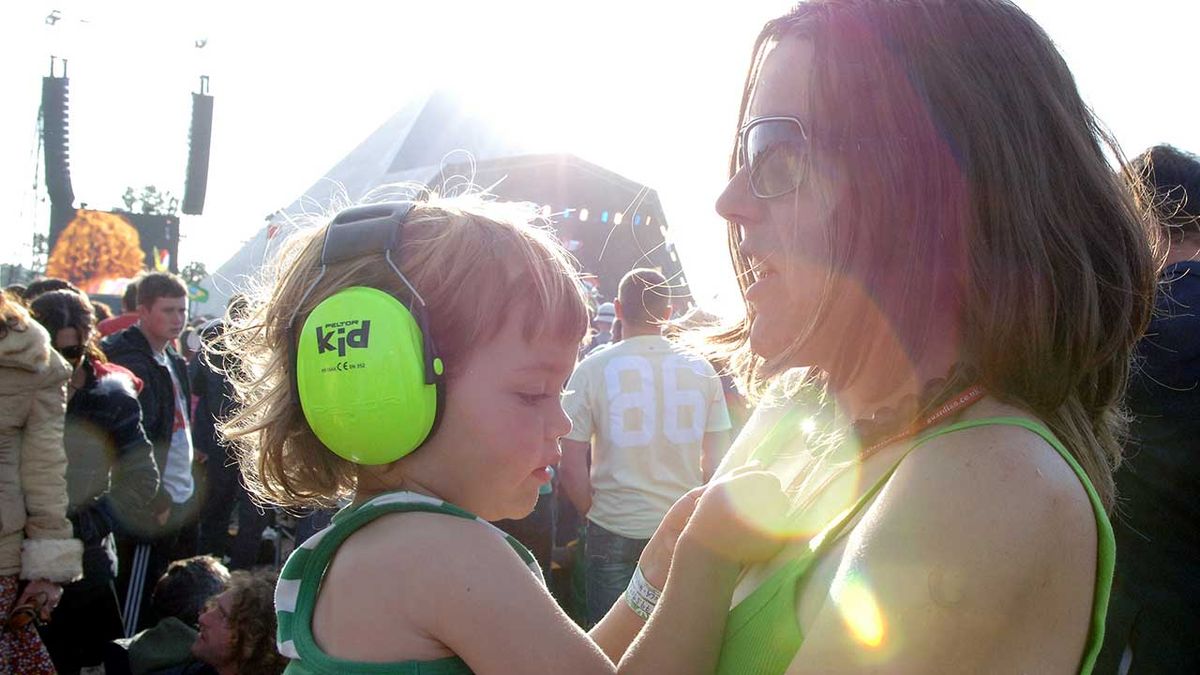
(982, 540)
(1006, 472)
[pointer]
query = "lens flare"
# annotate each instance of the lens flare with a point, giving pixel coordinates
(859, 610)
(760, 510)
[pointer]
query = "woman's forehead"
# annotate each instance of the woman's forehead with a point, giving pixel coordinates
(782, 85)
(66, 337)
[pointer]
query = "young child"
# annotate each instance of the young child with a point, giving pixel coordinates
(411, 574)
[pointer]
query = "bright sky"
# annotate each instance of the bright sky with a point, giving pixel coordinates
(647, 88)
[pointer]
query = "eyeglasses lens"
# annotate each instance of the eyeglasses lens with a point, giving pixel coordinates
(72, 353)
(776, 152)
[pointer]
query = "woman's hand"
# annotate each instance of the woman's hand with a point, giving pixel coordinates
(42, 595)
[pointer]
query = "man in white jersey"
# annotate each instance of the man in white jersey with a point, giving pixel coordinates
(652, 420)
(168, 533)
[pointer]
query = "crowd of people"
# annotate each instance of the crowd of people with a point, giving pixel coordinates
(970, 349)
(111, 447)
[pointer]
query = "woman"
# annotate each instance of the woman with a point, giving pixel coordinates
(923, 218)
(36, 548)
(111, 477)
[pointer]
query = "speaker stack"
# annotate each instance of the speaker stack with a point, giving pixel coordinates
(55, 149)
(54, 140)
(199, 139)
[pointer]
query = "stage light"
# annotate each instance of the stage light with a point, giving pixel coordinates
(604, 217)
(619, 217)
(637, 219)
(583, 214)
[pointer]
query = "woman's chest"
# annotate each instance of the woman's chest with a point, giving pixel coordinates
(800, 576)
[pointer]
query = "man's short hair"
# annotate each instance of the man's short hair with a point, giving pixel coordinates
(157, 285)
(129, 301)
(186, 586)
(1172, 176)
(644, 297)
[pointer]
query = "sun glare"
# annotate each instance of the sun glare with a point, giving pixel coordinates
(859, 610)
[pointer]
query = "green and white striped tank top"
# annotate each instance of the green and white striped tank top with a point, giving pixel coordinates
(300, 582)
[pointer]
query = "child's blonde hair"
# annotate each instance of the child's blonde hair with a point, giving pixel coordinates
(477, 263)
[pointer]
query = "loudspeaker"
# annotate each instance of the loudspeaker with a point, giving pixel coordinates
(54, 140)
(196, 185)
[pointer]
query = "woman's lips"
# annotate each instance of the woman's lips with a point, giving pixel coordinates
(763, 275)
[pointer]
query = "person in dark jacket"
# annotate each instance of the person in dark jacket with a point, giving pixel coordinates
(1153, 626)
(215, 402)
(111, 478)
(145, 349)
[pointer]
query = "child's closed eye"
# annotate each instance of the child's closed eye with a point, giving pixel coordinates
(535, 399)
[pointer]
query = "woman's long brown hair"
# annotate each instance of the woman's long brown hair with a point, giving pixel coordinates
(978, 184)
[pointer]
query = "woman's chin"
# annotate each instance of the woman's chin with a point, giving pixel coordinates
(766, 341)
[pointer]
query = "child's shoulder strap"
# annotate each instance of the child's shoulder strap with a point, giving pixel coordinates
(300, 579)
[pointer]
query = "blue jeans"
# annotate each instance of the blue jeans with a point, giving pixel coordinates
(611, 560)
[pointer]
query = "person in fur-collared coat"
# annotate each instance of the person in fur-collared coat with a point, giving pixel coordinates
(111, 478)
(36, 545)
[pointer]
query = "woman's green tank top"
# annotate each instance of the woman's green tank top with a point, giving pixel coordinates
(300, 582)
(762, 635)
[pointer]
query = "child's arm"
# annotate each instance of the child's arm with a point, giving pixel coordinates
(621, 625)
(684, 632)
(425, 586)
(495, 615)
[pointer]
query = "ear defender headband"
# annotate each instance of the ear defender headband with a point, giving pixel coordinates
(368, 375)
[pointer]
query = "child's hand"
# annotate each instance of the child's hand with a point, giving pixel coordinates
(740, 517)
(656, 557)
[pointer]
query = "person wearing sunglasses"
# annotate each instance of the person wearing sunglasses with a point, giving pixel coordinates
(943, 282)
(37, 551)
(111, 478)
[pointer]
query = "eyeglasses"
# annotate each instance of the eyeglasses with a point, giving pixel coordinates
(72, 353)
(774, 152)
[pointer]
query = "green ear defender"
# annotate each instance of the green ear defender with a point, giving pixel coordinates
(367, 373)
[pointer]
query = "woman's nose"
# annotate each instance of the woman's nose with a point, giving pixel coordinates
(737, 204)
